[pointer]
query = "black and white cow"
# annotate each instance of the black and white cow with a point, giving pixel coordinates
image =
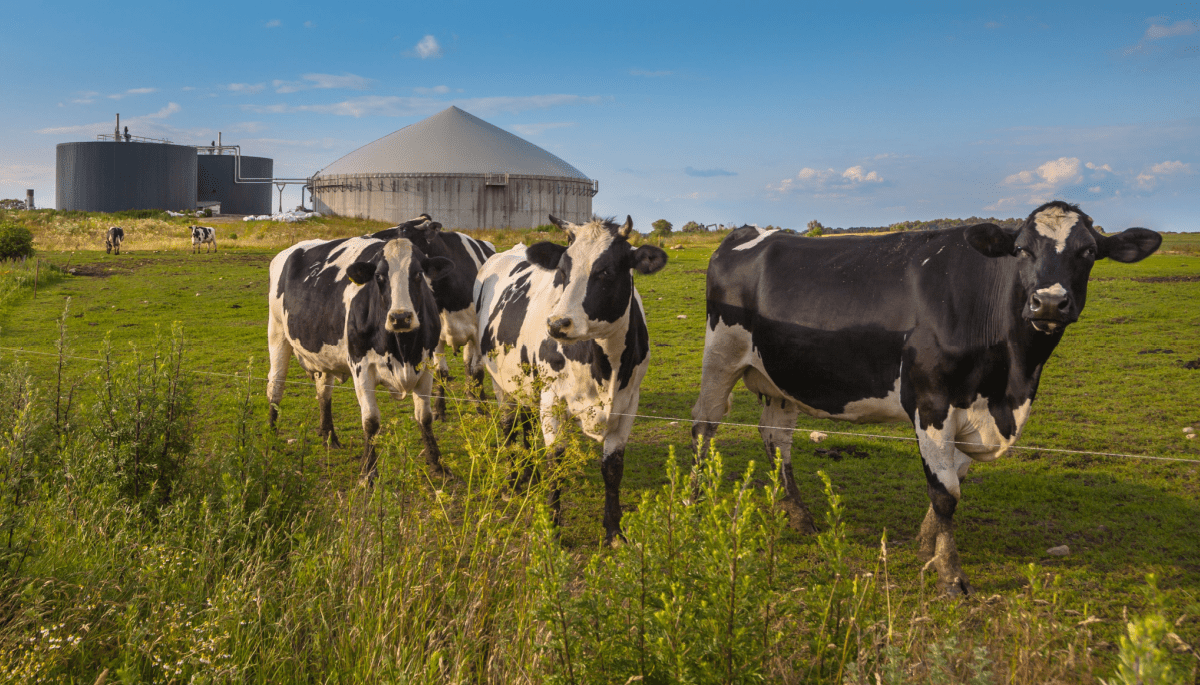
(571, 317)
(203, 235)
(454, 294)
(946, 329)
(113, 238)
(358, 307)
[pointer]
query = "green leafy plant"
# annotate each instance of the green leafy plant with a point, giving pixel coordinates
(16, 241)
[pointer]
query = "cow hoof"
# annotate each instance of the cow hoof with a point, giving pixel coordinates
(956, 587)
(799, 519)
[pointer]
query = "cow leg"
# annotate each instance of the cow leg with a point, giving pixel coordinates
(719, 374)
(550, 430)
(280, 352)
(325, 400)
(612, 468)
(365, 382)
(944, 466)
(474, 367)
(424, 417)
(443, 378)
(776, 426)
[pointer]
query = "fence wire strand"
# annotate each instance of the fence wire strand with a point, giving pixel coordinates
(732, 424)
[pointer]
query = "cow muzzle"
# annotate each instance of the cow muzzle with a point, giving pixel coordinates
(1050, 309)
(400, 321)
(562, 328)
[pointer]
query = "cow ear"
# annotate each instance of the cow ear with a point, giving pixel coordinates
(437, 267)
(545, 255)
(648, 259)
(360, 272)
(627, 228)
(990, 240)
(1130, 245)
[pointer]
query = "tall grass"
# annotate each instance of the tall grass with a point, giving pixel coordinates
(127, 548)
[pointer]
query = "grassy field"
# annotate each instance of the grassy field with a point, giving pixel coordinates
(1118, 384)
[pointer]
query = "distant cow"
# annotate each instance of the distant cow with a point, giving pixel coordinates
(570, 317)
(361, 308)
(112, 239)
(946, 329)
(454, 295)
(203, 235)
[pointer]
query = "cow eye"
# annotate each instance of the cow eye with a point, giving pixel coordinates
(1088, 253)
(1019, 251)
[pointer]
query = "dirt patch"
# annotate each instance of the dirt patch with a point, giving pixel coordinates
(98, 270)
(1192, 365)
(1167, 279)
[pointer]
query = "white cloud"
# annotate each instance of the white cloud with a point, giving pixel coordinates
(1098, 168)
(86, 98)
(132, 91)
(436, 90)
(428, 47)
(535, 129)
(24, 174)
(1179, 28)
(274, 23)
(247, 87)
(105, 127)
(828, 183)
(855, 173)
(344, 81)
(1159, 31)
(395, 106)
(1049, 176)
(310, 24)
(1094, 189)
(1175, 167)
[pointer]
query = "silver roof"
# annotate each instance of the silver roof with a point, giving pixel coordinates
(451, 142)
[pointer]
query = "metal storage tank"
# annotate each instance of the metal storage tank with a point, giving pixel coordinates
(463, 171)
(215, 182)
(106, 176)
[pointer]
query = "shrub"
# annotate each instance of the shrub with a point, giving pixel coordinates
(15, 241)
(692, 227)
(662, 227)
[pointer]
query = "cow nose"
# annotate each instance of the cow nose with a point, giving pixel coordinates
(559, 328)
(400, 320)
(1049, 305)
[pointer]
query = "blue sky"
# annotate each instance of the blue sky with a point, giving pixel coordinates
(768, 113)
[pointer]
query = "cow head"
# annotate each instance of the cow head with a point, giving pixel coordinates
(1054, 251)
(594, 273)
(421, 232)
(400, 280)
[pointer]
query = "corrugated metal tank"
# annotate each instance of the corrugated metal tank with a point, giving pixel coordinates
(463, 171)
(215, 175)
(105, 176)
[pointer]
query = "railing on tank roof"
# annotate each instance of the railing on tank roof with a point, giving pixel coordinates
(132, 139)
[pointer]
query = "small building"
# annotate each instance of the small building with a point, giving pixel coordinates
(461, 170)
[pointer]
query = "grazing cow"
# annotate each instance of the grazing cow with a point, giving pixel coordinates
(359, 307)
(571, 317)
(112, 239)
(454, 295)
(947, 330)
(202, 235)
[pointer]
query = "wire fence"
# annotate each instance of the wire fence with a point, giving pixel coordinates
(249, 378)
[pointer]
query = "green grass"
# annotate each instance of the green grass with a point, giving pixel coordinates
(1110, 387)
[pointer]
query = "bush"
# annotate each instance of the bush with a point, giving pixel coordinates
(662, 227)
(15, 241)
(692, 227)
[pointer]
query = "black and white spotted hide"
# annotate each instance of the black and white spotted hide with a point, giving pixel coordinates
(947, 330)
(571, 317)
(359, 308)
(455, 297)
(113, 238)
(203, 235)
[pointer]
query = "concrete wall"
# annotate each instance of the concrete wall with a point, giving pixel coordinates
(215, 183)
(107, 176)
(457, 201)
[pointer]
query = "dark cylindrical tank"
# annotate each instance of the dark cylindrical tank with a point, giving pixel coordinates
(105, 176)
(215, 176)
